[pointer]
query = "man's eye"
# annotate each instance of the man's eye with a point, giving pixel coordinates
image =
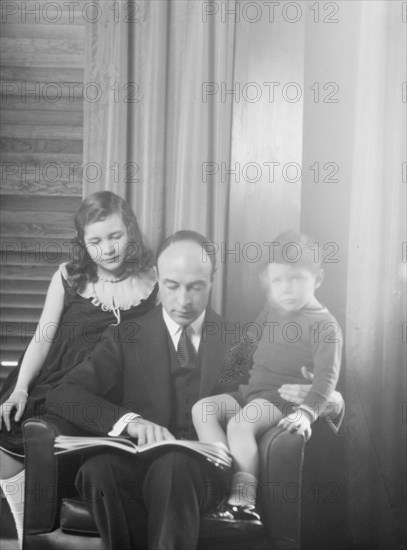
(171, 286)
(197, 287)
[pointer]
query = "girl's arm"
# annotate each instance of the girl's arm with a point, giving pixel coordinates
(37, 350)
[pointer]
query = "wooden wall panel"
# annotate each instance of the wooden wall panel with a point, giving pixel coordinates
(41, 142)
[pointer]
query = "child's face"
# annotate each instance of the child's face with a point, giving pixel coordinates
(290, 287)
(106, 242)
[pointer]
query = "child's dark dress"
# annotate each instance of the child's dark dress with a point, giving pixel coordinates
(83, 320)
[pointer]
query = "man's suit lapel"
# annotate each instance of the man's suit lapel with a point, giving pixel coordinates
(213, 354)
(154, 361)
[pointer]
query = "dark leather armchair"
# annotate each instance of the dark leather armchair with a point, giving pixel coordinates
(55, 518)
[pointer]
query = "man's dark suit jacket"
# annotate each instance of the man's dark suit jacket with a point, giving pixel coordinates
(129, 371)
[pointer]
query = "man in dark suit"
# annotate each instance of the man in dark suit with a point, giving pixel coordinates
(139, 368)
(142, 379)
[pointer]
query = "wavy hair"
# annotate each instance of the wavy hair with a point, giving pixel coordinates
(95, 208)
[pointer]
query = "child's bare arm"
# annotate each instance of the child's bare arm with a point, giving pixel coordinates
(36, 352)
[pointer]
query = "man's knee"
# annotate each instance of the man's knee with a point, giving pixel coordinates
(90, 477)
(173, 461)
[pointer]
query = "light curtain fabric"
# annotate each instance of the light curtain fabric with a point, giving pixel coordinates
(151, 132)
(164, 129)
(152, 150)
(376, 296)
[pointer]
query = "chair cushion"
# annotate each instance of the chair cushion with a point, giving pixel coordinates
(75, 518)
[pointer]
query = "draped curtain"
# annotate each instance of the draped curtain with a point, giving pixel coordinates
(376, 295)
(157, 121)
(165, 125)
(150, 132)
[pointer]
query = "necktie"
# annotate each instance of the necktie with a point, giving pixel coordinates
(186, 351)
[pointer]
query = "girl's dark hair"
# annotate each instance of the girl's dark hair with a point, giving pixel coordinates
(95, 208)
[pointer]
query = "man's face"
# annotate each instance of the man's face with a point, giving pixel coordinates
(185, 281)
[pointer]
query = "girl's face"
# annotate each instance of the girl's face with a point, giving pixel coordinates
(106, 242)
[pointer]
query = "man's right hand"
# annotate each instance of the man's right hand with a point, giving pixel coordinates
(147, 432)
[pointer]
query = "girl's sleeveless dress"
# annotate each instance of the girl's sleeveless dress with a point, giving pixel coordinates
(83, 320)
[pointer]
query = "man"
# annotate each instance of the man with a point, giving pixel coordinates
(157, 368)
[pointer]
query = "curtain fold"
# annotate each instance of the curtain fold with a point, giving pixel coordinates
(155, 115)
(152, 131)
(376, 298)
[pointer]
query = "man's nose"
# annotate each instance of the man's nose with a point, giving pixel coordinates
(183, 296)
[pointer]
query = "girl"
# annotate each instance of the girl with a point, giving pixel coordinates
(109, 279)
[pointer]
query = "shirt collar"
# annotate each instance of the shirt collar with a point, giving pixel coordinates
(174, 328)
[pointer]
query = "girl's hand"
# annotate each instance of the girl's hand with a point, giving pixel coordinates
(294, 423)
(17, 400)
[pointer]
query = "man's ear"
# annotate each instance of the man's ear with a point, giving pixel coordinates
(319, 278)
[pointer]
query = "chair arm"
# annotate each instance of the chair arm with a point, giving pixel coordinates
(47, 476)
(281, 461)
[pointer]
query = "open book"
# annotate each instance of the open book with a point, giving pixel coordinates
(217, 453)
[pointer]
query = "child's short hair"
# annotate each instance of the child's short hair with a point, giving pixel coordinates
(296, 249)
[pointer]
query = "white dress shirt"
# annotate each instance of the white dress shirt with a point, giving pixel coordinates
(194, 332)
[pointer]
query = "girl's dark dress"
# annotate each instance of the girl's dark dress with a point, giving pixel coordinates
(81, 326)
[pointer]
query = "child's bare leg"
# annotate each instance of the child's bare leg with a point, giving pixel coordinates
(243, 431)
(211, 414)
(12, 477)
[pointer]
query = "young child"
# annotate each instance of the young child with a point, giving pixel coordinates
(297, 331)
(109, 278)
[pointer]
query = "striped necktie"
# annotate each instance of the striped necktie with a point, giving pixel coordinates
(186, 351)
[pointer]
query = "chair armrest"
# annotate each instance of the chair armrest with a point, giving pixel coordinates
(281, 461)
(47, 477)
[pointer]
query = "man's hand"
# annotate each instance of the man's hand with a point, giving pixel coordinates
(147, 432)
(296, 393)
(17, 401)
(297, 423)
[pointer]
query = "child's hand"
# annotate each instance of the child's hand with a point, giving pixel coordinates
(17, 400)
(297, 422)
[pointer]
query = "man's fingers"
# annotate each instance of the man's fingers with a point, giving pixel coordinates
(148, 432)
(169, 436)
(307, 374)
(293, 392)
(158, 434)
(141, 435)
